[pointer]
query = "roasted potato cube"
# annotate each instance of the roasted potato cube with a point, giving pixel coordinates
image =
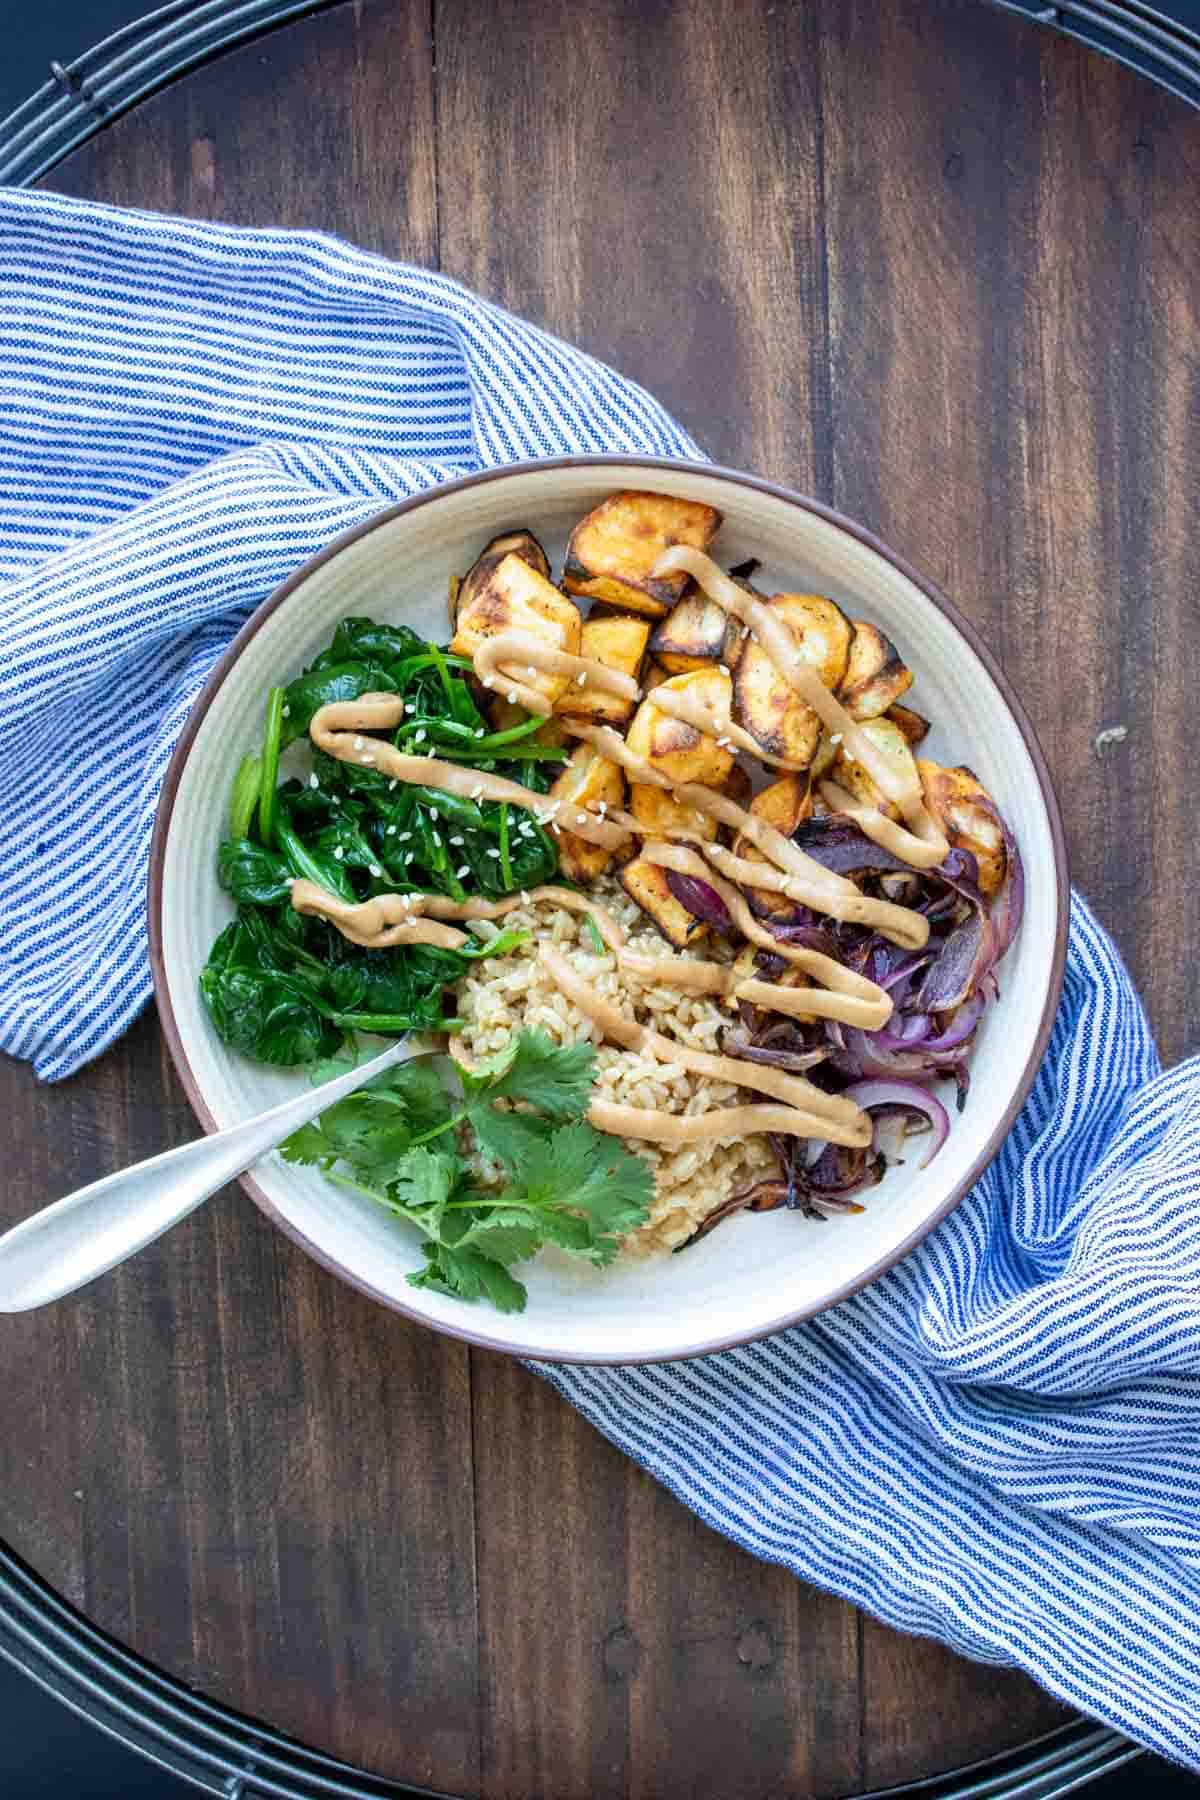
(510, 543)
(967, 814)
(824, 759)
(785, 804)
(765, 703)
(914, 725)
(646, 883)
(738, 786)
(654, 809)
(875, 673)
(618, 640)
(516, 598)
(737, 634)
(612, 551)
(692, 636)
(678, 749)
(653, 676)
(888, 737)
(587, 779)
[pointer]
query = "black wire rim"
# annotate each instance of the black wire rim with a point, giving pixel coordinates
(225, 1754)
(83, 96)
(219, 1751)
(1148, 39)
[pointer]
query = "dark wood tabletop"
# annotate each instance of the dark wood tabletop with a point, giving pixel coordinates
(927, 263)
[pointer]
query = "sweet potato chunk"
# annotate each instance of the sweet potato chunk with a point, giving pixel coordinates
(692, 636)
(612, 551)
(509, 543)
(654, 809)
(765, 703)
(678, 749)
(647, 884)
(587, 779)
(618, 640)
(967, 814)
(914, 725)
(516, 598)
(875, 673)
(889, 738)
(785, 804)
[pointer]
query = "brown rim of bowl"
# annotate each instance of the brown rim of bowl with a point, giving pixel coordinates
(170, 787)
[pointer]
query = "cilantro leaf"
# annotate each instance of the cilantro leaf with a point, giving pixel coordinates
(507, 1137)
(466, 1275)
(424, 1180)
(556, 1079)
(582, 1171)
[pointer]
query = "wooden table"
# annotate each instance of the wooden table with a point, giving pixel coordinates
(920, 260)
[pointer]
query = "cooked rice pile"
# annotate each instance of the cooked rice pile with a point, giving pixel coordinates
(504, 994)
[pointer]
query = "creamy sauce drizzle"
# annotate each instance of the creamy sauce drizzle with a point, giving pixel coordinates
(391, 919)
(334, 728)
(732, 1122)
(899, 924)
(775, 637)
(529, 651)
(824, 1111)
(864, 1004)
(857, 1002)
(881, 830)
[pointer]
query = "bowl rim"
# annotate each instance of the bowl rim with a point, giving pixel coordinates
(674, 465)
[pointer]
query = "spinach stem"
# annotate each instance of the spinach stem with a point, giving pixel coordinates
(506, 874)
(268, 805)
(243, 797)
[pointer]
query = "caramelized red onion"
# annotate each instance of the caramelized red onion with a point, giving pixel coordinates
(907, 1096)
(702, 901)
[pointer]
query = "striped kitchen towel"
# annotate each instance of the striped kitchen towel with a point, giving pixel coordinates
(997, 1442)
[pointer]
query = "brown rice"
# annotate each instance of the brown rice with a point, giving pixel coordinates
(505, 994)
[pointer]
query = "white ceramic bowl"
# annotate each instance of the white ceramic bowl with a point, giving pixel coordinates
(756, 1274)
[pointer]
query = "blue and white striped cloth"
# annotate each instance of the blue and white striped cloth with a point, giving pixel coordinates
(997, 1443)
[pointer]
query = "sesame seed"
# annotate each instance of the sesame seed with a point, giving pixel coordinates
(488, 682)
(465, 870)
(390, 832)
(745, 632)
(603, 808)
(480, 732)
(581, 818)
(395, 782)
(836, 738)
(458, 840)
(339, 853)
(287, 712)
(368, 762)
(722, 743)
(376, 870)
(724, 668)
(477, 791)
(313, 782)
(512, 696)
(408, 857)
(420, 735)
(525, 895)
(494, 853)
(403, 836)
(429, 755)
(407, 899)
(358, 743)
(410, 707)
(531, 670)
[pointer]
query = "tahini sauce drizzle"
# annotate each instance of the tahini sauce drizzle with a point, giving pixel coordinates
(927, 841)
(531, 652)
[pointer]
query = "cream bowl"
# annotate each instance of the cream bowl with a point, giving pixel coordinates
(756, 1274)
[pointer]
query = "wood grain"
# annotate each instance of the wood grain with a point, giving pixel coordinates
(912, 256)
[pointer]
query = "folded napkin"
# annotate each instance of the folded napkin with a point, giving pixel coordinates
(996, 1444)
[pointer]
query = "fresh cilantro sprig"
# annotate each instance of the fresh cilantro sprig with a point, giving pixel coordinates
(564, 1183)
